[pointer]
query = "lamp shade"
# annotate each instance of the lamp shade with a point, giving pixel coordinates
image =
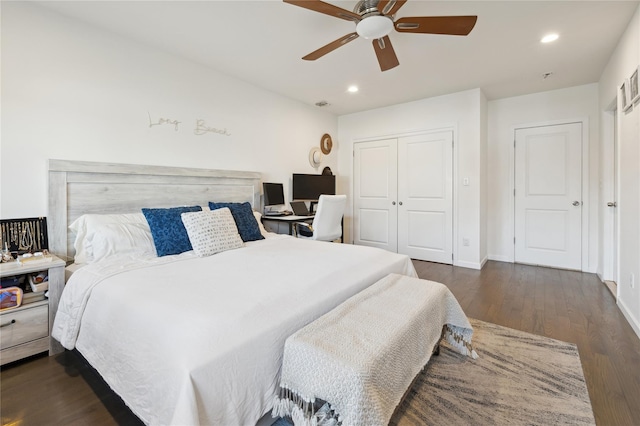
(374, 27)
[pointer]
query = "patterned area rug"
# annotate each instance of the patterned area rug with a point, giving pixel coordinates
(519, 379)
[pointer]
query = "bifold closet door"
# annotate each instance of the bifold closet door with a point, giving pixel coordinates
(403, 195)
(425, 196)
(375, 173)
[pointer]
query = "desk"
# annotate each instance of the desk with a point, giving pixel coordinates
(290, 219)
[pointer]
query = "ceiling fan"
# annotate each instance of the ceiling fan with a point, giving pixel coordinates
(375, 19)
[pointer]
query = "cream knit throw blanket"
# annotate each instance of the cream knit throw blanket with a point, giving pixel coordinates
(362, 356)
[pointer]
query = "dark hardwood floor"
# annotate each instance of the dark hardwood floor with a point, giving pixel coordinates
(59, 390)
(565, 305)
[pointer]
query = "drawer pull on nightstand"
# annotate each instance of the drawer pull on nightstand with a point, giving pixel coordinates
(9, 323)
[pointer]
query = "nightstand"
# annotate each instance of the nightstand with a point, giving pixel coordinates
(26, 330)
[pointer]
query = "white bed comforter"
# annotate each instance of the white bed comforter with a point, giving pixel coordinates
(186, 340)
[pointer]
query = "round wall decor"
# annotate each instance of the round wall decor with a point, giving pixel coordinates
(326, 144)
(315, 157)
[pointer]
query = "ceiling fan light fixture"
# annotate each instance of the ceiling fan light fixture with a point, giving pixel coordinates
(374, 27)
(375, 20)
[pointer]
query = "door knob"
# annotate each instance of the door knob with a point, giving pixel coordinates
(400, 202)
(612, 204)
(576, 203)
(393, 203)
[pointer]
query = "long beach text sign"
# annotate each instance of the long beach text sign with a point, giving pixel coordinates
(200, 128)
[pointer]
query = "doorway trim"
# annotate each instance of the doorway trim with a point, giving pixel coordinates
(609, 167)
(585, 184)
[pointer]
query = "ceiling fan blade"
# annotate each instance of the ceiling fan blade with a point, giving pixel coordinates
(390, 7)
(386, 55)
(326, 8)
(450, 25)
(330, 47)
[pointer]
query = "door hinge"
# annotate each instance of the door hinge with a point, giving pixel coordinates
(514, 240)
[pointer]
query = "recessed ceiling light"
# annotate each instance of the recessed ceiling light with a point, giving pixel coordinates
(549, 38)
(352, 89)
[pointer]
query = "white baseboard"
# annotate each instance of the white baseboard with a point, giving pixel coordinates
(470, 265)
(633, 321)
(504, 258)
(500, 258)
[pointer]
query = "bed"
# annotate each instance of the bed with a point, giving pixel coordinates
(185, 339)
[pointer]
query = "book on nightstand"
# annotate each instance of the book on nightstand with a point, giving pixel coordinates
(33, 296)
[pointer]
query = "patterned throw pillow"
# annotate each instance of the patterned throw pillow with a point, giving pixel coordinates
(212, 231)
(245, 220)
(169, 235)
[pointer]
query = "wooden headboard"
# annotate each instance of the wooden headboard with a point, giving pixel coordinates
(81, 187)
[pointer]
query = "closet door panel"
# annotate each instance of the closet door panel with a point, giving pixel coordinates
(425, 196)
(375, 194)
(436, 239)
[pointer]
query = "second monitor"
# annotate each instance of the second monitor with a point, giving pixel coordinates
(273, 194)
(310, 187)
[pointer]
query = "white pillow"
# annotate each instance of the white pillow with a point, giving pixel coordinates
(211, 231)
(122, 239)
(102, 235)
(258, 217)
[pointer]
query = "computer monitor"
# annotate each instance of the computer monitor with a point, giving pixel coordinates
(273, 194)
(310, 187)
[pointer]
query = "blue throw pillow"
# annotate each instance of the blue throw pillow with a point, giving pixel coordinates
(167, 229)
(245, 220)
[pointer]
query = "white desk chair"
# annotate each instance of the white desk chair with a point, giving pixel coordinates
(327, 222)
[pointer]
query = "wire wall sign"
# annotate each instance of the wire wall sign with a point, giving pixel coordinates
(200, 128)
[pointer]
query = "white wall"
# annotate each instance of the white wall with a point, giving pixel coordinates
(460, 111)
(624, 60)
(72, 91)
(575, 103)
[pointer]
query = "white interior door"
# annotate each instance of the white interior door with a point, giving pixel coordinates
(375, 175)
(612, 210)
(548, 196)
(425, 197)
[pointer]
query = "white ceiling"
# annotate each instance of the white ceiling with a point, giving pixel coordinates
(261, 42)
